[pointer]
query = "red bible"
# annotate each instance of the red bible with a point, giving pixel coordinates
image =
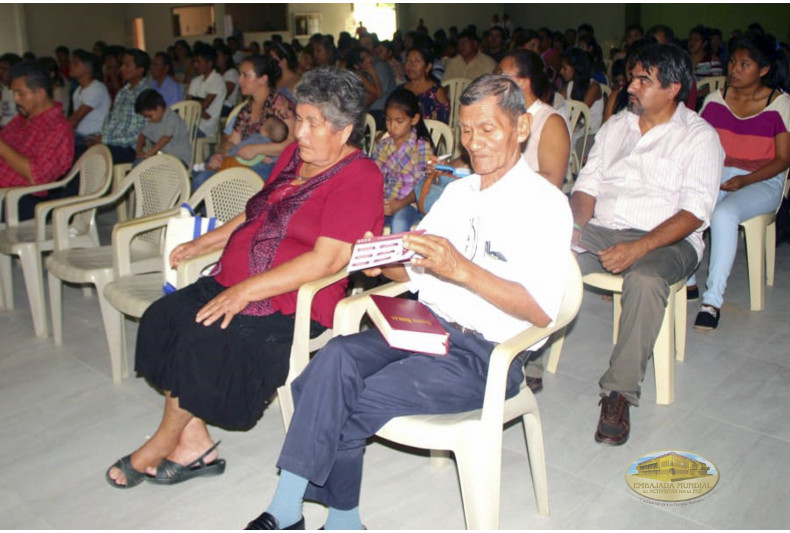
(408, 325)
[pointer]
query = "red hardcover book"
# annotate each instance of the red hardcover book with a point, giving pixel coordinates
(408, 325)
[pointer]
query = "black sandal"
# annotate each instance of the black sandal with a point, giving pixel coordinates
(169, 472)
(133, 477)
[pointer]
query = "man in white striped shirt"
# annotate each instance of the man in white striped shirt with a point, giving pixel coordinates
(640, 206)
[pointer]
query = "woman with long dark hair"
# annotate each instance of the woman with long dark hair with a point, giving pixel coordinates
(576, 70)
(432, 96)
(752, 117)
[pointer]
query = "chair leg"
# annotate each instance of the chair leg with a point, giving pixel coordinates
(479, 460)
(56, 307)
(557, 340)
(755, 258)
(617, 308)
(663, 360)
(115, 330)
(681, 311)
(285, 399)
(34, 283)
(537, 461)
(770, 253)
(7, 281)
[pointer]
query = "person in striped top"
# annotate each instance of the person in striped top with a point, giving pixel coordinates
(752, 117)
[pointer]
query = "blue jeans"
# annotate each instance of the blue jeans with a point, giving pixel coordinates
(732, 208)
(357, 383)
(403, 220)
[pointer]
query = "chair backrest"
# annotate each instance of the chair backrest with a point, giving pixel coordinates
(714, 83)
(369, 134)
(580, 118)
(606, 91)
(95, 170)
(441, 135)
(226, 193)
(455, 87)
(160, 182)
(190, 111)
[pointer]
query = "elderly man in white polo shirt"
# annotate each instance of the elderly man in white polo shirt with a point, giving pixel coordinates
(494, 260)
(640, 206)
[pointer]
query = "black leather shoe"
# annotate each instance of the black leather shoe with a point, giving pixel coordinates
(268, 521)
(534, 384)
(614, 422)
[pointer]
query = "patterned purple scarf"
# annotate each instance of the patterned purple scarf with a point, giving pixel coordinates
(273, 218)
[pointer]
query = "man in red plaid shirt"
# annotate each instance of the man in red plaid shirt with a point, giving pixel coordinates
(37, 146)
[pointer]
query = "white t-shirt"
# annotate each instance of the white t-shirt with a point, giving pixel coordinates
(519, 229)
(232, 76)
(202, 87)
(7, 105)
(98, 98)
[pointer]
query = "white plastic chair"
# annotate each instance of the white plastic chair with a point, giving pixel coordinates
(759, 232)
(475, 437)
(190, 111)
(224, 195)
(714, 83)
(671, 337)
(28, 239)
(455, 87)
(204, 145)
(579, 124)
(606, 91)
(441, 135)
(160, 182)
(369, 134)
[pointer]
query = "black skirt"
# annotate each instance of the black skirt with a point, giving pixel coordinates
(224, 377)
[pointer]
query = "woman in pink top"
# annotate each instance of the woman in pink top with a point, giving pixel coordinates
(219, 348)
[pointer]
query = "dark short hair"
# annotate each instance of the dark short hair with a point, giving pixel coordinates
(469, 34)
(36, 76)
(62, 49)
(167, 60)
(207, 52)
(89, 59)
(508, 95)
(10, 58)
(148, 100)
(141, 59)
(672, 64)
(265, 65)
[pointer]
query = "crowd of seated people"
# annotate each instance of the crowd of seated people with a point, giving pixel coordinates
(300, 111)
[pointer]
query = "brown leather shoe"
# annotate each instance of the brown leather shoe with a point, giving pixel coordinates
(534, 384)
(614, 423)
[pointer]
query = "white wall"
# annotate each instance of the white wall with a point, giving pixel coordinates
(74, 25)
(13, 34)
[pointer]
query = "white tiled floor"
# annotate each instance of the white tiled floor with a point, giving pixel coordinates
(62, 423)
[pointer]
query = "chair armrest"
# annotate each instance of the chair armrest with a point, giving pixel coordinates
(349, 311)
(189, 270)
(499, 365)
(63, 214)
(17, 193)
(300, 349)
(43, 210)
(124, 232)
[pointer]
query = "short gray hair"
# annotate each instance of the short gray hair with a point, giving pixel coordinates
(339, 95)
(507, 93)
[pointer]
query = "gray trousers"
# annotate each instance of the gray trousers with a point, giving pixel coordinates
(644, 299)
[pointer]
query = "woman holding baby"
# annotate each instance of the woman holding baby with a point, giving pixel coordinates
(258, 77)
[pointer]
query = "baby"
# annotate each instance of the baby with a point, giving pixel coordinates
(273, 130)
